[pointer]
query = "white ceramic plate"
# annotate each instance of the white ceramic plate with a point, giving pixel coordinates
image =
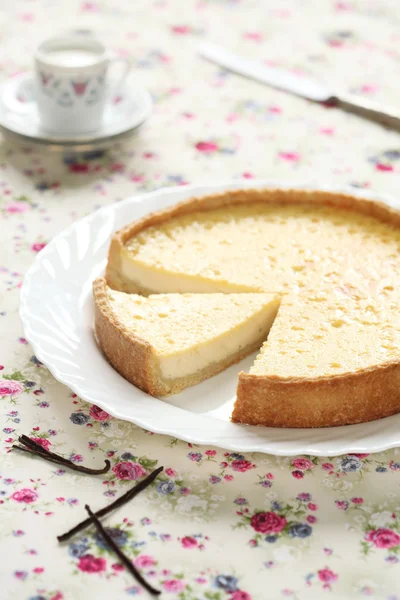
(57, 313)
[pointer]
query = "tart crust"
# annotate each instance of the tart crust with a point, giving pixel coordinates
(128, 354)
(346, 399)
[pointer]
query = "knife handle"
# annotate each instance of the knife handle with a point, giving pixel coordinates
(368, 110)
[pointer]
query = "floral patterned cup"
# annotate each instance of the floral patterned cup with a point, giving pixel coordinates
(72, 86)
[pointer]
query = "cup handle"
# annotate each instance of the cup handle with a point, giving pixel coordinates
(113, 86)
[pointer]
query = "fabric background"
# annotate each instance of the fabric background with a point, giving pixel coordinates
(216, 525)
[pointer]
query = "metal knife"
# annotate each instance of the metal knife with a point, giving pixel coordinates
(300, 86)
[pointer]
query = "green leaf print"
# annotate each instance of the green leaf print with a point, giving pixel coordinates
(16, 376)
(365, 548)
(147, 463)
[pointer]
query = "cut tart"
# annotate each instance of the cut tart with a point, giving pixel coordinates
(304, 245)
(167, 342)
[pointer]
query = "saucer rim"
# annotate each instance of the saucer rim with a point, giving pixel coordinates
(48, 138)
(73, 146)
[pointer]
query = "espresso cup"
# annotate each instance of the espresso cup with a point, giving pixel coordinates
(72, 81)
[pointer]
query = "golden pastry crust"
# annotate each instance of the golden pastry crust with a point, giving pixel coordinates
(115, 279)
(128, 354)
(323, 402)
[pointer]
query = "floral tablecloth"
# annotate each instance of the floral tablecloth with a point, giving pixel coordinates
(216, 525)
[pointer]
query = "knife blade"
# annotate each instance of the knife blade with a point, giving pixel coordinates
(300, 86)
(277, 78)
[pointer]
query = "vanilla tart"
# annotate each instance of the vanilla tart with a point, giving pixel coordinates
(333, 356)
(166, 342)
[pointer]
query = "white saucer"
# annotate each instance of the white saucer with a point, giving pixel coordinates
(57, 313)
(19, 118)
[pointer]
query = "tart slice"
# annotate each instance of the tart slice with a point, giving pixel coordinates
(164, 343)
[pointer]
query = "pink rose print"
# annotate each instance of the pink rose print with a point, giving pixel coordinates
(79, 168)
(298, 474)
(170, 472)
(173, 585)
(18, 532)
(89, 564)
(343, 6)
(290, 156)
(327, 466)
(303, 464)
(369, 88)
(359, 455)
(232, 117)
(383, 538)
(267, 522)
(128, 470)
(357, 500)
(180, 29)
(98, 414)
(239, 595)
(17, 207)
(143, 561)
(383, 167)
(206, 147)
(42, 442)
(210, 452)
(117, 167)
(189, 542)
(137, 177)
(311, 519)
(241, 465)
(327, 576)
(37, 247)
(327, 130)
(9, 387)
(255, 36)
(25, 495)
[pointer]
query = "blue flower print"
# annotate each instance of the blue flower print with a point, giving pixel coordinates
(236, 456)
(118, 536)
(79, 418)
(77, 549)
(351, 464)
(165, 487)
(226, 582)
(300, 530)
(127, 456)
(381, 469)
